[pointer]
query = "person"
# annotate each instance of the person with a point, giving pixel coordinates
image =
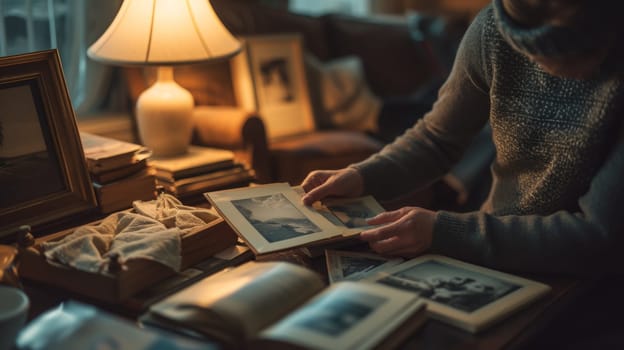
(545, 75)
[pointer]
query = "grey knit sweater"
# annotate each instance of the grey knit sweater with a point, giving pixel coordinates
(557, 198)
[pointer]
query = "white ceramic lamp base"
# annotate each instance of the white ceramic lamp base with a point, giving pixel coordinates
(165, 116)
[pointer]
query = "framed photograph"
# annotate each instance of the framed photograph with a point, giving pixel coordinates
(348, 265)
(43, 172)
(272, 217)
(465, 295)
(269, 78)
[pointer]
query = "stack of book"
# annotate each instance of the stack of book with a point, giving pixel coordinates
(201, 169)
(119, 172)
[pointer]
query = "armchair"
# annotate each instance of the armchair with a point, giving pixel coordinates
(393, 64)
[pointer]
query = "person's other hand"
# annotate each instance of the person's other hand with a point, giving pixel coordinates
(320, 184)
(404, 232)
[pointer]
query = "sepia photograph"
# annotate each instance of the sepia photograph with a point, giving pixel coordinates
(275, 217)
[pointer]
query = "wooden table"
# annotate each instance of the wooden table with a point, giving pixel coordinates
(514, 332)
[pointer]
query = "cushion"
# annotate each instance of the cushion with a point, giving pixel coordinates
(340, 94)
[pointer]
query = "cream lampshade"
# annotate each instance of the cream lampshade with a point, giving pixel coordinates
(165, 33)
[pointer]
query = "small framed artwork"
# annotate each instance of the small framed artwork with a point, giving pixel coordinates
(269, 78)
(465, 295)
(43, 172)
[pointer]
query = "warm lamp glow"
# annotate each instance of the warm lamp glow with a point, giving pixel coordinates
(165, 33)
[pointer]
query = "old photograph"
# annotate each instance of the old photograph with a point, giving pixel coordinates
(450, 285)
(269, 77)
(275, 217)
(352, 213)
(353, 266)
(465, 295)
(335, 316)
(276, 81)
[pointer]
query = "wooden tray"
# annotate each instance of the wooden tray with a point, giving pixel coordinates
(197, 246)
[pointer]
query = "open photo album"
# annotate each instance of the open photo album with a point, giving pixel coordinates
(272, 217)
(279, 305)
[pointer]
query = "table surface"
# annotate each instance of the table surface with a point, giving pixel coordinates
(514, 332)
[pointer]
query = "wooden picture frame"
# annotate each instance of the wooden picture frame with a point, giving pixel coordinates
(269, 78)
(467, 296)
(43, 172)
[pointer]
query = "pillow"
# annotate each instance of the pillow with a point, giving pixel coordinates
(340, 95)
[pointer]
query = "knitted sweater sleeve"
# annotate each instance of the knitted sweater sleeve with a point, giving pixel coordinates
(433, 145)
(563, 242)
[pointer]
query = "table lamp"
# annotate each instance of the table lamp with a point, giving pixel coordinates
(164, 33)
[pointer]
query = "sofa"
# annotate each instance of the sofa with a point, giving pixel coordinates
(392, 62)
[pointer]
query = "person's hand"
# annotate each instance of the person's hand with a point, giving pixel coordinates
(320, 184)
(405, 232)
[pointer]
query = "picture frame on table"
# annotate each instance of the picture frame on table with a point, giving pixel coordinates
(269, 78)
(43, 172)
(465, 295)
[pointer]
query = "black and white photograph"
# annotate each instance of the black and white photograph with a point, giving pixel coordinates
(462, 294)
(272, 217)
(275, 217)
(335, 316)
(276, 81)
(458, 288)
(353, 265)
(352, 213)
(269, 77)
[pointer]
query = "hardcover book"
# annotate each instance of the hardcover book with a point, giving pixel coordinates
(278, 304)
(217, 179)
(119, 194)
(105, 154)
(272, 217)
(198, 160)
(119, 173)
